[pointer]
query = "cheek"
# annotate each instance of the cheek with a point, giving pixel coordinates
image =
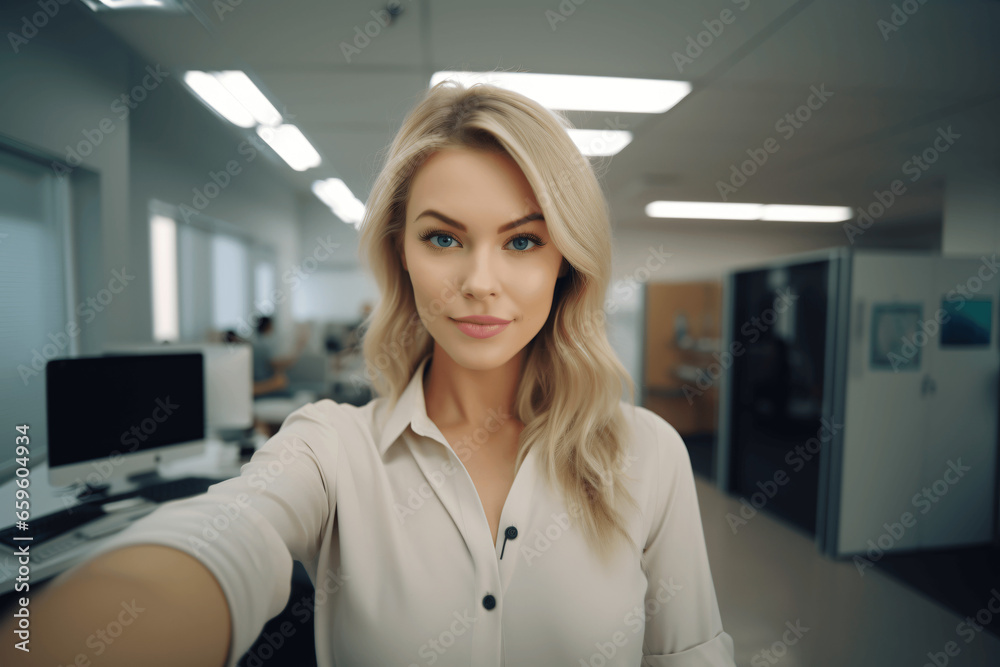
(534, 280)
(429, 279)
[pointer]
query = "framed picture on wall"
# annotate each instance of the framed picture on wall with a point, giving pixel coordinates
(896, 338)
(967, 322)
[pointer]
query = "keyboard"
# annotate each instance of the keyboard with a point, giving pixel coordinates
(53, 525)
(174, 489)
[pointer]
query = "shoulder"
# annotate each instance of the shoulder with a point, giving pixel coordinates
(655, 439)
(341, 422)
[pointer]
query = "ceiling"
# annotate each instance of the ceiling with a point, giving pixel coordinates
(889, 89)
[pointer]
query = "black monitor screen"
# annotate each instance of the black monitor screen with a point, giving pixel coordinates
(105, 406)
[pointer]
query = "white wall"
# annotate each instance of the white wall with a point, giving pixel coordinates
(334, 284)
(972, 212)
(177, 146)
(57, 90)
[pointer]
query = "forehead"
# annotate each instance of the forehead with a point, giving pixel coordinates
(476, 182)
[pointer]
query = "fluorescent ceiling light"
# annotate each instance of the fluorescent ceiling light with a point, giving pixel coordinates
(103, 5)
(293, 147)
(581, 93)
(735, 211)
(249, 95)
(702, 209)
(600, 142)
(807, 213)
(334, 193)
(217, 96)
(121, 4)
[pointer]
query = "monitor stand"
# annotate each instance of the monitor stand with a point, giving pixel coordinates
(91, 491)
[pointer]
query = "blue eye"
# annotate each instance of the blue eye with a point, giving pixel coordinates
(522, 238)
(426, 237)
(443, 236)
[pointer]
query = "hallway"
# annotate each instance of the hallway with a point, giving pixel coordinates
(769, 574)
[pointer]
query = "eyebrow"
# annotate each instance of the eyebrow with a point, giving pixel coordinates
(458, 225)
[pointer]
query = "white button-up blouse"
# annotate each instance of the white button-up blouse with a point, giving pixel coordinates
(388, 524)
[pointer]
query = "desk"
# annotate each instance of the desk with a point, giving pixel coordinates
(219, 460)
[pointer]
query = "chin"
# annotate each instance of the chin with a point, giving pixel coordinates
(481, 359)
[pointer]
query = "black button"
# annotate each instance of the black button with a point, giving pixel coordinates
(511, 532)
(489, 602)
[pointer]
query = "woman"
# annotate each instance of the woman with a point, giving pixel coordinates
(498, 503)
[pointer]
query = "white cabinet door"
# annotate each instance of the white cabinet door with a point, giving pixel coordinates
(961, 399)
(884, 423)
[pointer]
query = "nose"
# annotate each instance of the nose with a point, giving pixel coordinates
(479, 277)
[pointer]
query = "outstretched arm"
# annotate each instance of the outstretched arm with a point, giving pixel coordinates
(155, 605)
(239, 539)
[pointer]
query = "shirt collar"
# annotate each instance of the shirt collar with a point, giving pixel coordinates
(409, 409)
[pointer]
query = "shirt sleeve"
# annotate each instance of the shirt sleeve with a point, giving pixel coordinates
(683, 624)
(247, 530)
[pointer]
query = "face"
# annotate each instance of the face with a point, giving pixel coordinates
(465, 259)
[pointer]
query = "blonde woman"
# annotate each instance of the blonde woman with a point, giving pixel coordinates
(498, 503)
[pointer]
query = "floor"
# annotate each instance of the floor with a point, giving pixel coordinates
(769, 574)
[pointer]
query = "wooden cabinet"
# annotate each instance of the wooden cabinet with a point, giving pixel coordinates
(682, 333)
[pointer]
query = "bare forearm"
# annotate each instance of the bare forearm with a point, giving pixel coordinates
(282, 363)
(144, 605)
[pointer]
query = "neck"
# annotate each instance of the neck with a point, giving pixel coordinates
(458, 397)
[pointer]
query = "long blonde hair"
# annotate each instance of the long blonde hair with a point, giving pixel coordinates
(569, 395)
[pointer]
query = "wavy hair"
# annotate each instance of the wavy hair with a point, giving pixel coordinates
(569, 392)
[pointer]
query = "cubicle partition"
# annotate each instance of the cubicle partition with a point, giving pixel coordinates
(862, 395)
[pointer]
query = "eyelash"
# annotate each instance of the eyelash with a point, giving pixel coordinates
(426, 236)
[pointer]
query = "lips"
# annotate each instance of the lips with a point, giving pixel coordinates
(476, 330)
(482, 319)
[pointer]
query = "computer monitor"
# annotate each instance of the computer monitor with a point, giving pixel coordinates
(122, 414)
(228, 382)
